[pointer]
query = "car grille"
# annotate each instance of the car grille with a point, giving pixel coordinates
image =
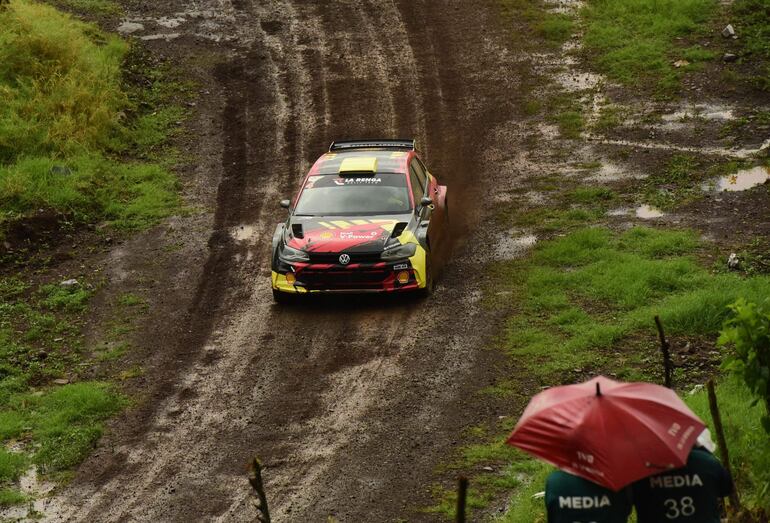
(334, 257)
(346, 279)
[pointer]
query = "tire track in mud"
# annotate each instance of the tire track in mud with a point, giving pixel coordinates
(351, 402)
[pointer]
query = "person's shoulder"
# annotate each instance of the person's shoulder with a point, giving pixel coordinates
(556, 475)
(703, 457)
(558, 478)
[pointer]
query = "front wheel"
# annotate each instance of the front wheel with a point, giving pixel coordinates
(280, 297)
(430, 283)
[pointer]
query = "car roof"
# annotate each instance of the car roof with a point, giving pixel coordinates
(386, 160)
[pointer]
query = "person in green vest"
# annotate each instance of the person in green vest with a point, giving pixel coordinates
(690, 494)
(572, 499)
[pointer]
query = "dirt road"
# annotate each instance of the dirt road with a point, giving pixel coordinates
(351, 403)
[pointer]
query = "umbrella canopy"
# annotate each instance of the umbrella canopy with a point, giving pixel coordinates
(609, 432)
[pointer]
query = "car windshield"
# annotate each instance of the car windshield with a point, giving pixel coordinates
(383, 193)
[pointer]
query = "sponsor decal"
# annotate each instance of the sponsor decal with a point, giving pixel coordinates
(358, 181)
(344, 259)
(354, 235)
(326, 235)
(400, 266)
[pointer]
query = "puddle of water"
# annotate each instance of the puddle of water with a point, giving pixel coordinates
(706, 111)
(209, 24)
(716, 151)
(510, 247)
(128, 27)
(741, 181)
(170, 23)
(609, 172)
(624, 211)
(243, 232)
(647, 212)
(161, 36)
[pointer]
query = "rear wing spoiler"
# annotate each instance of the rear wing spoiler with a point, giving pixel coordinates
(344, 145)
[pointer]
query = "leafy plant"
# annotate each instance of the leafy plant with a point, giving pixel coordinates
(748, 330)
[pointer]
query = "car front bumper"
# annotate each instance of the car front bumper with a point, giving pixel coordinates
(355, 277)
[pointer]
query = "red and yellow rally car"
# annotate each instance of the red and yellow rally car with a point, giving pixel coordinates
(368, 217)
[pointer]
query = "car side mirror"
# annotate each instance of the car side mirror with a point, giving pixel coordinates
(285, 203)
(426, 201)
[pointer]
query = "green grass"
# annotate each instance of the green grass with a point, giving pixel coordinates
(551, 29)
(59, 427)
(635, 41)
(72, 299)
(130, 300)
(509, 467)
(39, 333)
(40, 340)
(69, 126)
(588, 195)
(571, 124)
(747, 443)
(12, 466)
(555, 28)
(9, 497)
(550, 220)
(592, 289)
(104, 7)
(610, 117)
(682, 179)
(523, 507)
(752, 19)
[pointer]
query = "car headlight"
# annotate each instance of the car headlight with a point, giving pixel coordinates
(398, 252)
(290, 254)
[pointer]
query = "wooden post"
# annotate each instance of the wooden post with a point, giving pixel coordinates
(462, 494)
(735, 502)
(666, 350)
(255, 478)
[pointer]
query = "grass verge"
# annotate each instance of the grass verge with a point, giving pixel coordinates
(683, 178)
(752, 17)
(84, 129)
(52, 428)
(551, 29)
(636, 42)
(72, 132)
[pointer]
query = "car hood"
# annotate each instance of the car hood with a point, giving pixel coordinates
(342, 233)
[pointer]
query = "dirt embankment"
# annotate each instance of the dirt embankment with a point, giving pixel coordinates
(351, 403)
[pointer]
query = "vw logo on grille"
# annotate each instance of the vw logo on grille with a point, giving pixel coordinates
(344, 259)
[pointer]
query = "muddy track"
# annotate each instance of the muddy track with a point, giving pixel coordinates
(350, 402)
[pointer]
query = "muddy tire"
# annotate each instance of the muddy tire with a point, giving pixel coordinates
(431, 283)
(280, 297)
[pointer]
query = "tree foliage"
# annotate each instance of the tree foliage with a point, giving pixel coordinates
(747, 330)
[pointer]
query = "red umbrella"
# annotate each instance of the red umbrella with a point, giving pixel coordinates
(609, 432)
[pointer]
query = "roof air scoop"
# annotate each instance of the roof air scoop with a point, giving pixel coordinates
(357, 166)
(398, 229)
(296, 230)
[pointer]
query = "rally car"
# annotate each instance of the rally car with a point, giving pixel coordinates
(368, 217)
